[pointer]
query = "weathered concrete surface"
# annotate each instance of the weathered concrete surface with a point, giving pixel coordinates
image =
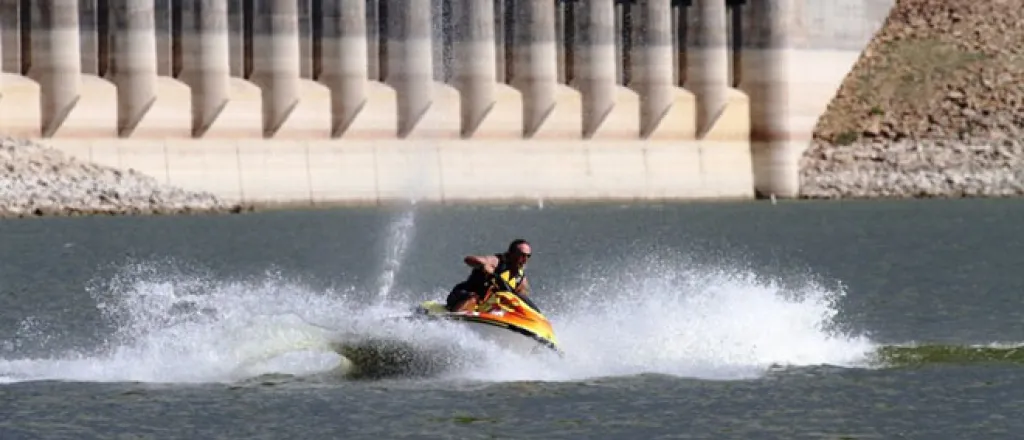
(281, 171)
(135, 76)
(794, 56)
(20, 112)
(568, 90)
(708, 61)
(934, 108)
(10, 37)
(242, 171)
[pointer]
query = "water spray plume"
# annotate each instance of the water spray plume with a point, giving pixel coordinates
(706, 323)
(400, 234)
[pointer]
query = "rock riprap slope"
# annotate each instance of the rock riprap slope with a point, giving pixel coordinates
(38, 180)
(933, 108)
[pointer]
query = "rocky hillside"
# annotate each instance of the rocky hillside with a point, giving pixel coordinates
(934, 107)
(938, 69)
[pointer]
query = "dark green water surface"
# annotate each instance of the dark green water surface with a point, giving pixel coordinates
(849, 320)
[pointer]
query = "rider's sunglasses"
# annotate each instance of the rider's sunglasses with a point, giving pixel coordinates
(524, 254)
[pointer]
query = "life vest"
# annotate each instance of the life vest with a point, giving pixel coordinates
(480, 283)
(504, 272)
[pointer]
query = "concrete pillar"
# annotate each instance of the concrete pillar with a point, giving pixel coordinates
(410, 60)
(236, 37)
(561, 34)
(276, 60)
(708, 63)
(653, 68)
(679, 43)
(633, 47)
(10, 36)
(162, 24)
(536, 62)
(26, 17)
(776, 148)
(316, 36)
(304, 32)
(384, 28)
(57, 62)
(345, 60)
(442, 42)
(135, 76)
(622, 42)
(474, 69)
(569, 40)
(595, 66)
(206, 67)
(180, 23)
(734, 17)
(499, 41)
(1, 55)
(89, 34)
(372, 35)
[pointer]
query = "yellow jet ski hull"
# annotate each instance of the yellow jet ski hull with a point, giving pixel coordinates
(503, 317)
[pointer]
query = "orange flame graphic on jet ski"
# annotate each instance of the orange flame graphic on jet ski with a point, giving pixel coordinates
(503, 309)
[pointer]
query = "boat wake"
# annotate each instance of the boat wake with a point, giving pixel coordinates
(177, 327)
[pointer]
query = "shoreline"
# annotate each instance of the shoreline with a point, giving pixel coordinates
(257, 208)
(978, 168)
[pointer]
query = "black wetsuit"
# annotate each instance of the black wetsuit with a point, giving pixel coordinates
(478, 282)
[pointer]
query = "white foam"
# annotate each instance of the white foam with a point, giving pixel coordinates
(181, 329)
(712, 325)
(700, 322)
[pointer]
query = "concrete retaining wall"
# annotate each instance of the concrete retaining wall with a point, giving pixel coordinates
(279, 171)
(794, 56)
(692, 98)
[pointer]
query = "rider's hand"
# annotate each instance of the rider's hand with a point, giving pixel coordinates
(488, 269)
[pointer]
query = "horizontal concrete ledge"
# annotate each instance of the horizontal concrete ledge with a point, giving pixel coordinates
(271, 172)
(498, 204)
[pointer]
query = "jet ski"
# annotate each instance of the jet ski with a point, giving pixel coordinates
(504, 318)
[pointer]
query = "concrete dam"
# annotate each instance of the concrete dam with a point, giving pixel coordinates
(368, 101)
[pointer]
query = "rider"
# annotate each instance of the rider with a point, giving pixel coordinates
(510, 267)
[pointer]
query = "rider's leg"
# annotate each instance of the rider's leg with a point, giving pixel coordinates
(460, 299)
(467, 305)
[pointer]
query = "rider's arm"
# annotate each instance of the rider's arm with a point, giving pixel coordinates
(481, 261)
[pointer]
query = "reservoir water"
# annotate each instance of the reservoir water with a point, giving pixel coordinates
(836, 320)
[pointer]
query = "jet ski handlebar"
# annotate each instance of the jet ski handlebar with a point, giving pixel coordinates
(501, 284)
